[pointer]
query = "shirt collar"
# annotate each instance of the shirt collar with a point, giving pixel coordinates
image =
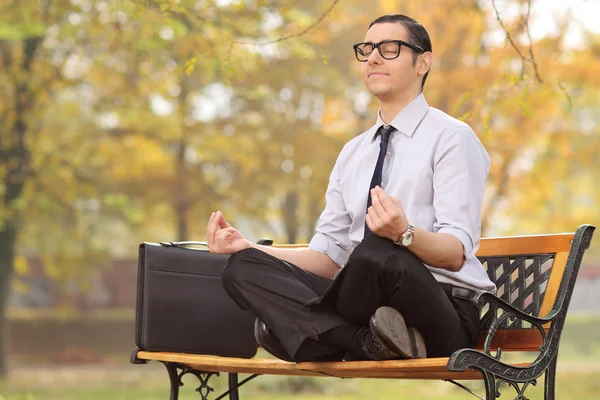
(408, 119)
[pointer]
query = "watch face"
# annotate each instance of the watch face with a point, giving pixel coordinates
(407, 239)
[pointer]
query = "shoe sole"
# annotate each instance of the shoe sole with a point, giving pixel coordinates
(417, 343)
(389, 327)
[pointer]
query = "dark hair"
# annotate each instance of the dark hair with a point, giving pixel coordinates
(416, 34)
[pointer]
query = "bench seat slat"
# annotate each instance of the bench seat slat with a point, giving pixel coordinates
(428, 368)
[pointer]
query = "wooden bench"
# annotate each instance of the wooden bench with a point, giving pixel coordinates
(535, 276)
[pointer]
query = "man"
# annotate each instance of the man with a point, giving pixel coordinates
(399, 231)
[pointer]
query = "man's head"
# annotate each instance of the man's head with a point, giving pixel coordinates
(401, 62)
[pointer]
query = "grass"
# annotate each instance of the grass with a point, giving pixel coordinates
(578, 371)
(569, 386)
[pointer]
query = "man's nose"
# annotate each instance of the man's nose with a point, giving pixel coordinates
(374, 58)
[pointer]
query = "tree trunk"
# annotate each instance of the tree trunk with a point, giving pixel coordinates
(16, 161)
(313, 212)
(289, 209)
(182, 197)
(14, 157)
(8, 237)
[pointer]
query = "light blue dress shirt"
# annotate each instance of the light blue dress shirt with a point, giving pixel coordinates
(435, 165)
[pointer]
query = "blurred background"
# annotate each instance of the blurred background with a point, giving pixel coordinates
(126, 121)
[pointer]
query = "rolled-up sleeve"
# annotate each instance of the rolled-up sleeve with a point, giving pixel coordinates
(461, 167)
(332, 236)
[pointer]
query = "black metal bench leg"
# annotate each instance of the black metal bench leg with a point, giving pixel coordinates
(489, 381)
(493, 382)
(174, 379)
(233, 383)
(549, 380)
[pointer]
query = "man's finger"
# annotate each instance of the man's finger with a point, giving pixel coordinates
(377, 204)
(376, 210)
(369, 222)
(211, 229)
(222, 222)
(386, 201)
(375, 218)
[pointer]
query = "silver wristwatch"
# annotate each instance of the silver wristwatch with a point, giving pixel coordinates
(407, 237)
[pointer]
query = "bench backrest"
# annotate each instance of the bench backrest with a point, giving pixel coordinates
(535, 274)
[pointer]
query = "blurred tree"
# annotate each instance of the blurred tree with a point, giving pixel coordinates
(132, 120)
(31, 69)
(211, 124)
(99, 113)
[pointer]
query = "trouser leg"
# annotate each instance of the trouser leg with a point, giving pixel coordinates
(276, 291)
(379, 273)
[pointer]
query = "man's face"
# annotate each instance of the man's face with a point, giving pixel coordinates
(388, 78)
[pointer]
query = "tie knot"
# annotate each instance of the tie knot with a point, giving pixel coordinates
(385, 132)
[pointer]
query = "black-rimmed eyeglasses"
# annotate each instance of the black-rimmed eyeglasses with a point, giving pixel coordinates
(388, 49)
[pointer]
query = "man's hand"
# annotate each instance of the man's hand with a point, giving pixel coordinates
(386, 216)
(223, 238)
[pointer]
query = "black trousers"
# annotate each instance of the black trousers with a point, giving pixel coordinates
(297, 304)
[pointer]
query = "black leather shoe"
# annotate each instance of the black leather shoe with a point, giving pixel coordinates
(390, 338)
(268, 341)
(310, 350)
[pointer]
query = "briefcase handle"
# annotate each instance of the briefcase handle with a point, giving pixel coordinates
(266, 242)
(183, 244)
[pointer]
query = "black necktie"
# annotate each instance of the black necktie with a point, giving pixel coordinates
(385, 133)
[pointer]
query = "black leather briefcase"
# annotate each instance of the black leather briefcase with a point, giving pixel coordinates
(182, 306)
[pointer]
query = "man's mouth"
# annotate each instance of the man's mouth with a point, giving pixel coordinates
(376, 74)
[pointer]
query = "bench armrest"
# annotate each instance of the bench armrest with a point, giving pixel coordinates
(490, 363)
(485, 360)
(481, 298)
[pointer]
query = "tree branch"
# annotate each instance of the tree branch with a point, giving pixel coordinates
(281, 39)
(180, 14)
(46, 14)
(528, 31)
(500, 193)
(292, 35)
(524, 59)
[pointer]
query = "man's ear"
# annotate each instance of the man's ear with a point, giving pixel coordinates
(425, 63)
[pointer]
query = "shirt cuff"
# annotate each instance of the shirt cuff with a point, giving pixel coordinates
(461, 235)
(326, 245)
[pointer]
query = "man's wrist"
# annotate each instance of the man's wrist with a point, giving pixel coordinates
(402, 230)
(405, 238)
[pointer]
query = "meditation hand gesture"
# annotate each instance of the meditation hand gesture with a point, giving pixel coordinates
(386, 217)
(223, 238)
